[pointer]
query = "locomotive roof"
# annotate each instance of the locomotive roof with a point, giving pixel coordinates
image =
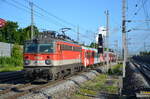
(50, 36)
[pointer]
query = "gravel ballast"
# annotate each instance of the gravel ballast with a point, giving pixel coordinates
(133, 81)
(63, 89)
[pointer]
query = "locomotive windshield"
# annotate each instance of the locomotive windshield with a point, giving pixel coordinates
(45, 48)
(31, 48)
(39, 48)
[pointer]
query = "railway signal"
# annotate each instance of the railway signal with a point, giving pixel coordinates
(100, 43)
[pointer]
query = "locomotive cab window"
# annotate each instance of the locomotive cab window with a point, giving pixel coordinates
(39, 48)
(45, 48)
(31, 48)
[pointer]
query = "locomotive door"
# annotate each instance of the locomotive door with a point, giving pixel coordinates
(87, 58)
(59, 55)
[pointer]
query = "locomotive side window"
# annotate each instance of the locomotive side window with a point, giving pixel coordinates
(70, 48)
(45, 48)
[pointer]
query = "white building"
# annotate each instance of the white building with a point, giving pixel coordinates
(101, 30)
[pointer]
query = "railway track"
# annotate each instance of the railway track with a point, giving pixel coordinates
(9, 80)
(144, 69)
(9, 73)
(7, 77)
(23, 88)
(31, 87)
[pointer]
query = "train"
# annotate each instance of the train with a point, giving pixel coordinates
(51, 57)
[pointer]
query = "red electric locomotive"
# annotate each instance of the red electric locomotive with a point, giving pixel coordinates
(51, 57)
(48, 57)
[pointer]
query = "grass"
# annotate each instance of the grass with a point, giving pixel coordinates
(8, 64)
(79, 96)
(8, 68)
(97, 85)
(87, 91)
(116, 70)
(13, 63)
(117, 66)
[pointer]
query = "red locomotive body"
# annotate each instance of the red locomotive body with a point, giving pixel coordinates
(50, 58)
(67, 53)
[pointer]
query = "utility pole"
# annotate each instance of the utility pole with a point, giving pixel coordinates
(78, 33)
(144, 46)
(116, 48)
(124, 50)
(94, 37)
(32, 19)
(107, 38)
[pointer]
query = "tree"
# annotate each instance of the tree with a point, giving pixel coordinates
(93, 45)
(11, 33)
(27, 32)
(8, 32)
(145, 53)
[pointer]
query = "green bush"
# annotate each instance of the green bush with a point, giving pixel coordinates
(16, 52)
(110, 72)
(17, 55)
(16, 59)
(115, 70)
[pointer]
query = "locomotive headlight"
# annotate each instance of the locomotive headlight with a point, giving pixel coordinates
(26, 62)
(48, 62)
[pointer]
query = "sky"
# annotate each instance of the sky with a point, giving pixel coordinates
(87, 14)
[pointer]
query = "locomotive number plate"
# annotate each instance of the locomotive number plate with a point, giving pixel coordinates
(39, 62)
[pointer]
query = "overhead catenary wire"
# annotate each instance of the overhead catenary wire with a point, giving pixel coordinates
(138, 9)
(26, 9)
(146, 14)
(58, 18)
(141, 5)
(64, 21)
(37, 14)
(73, 30)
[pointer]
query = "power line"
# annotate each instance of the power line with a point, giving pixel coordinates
(146, 13)
(9, 3)
(37, 14)
(62, 20)
(26, 9)
(139, 9)
(56, 17)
